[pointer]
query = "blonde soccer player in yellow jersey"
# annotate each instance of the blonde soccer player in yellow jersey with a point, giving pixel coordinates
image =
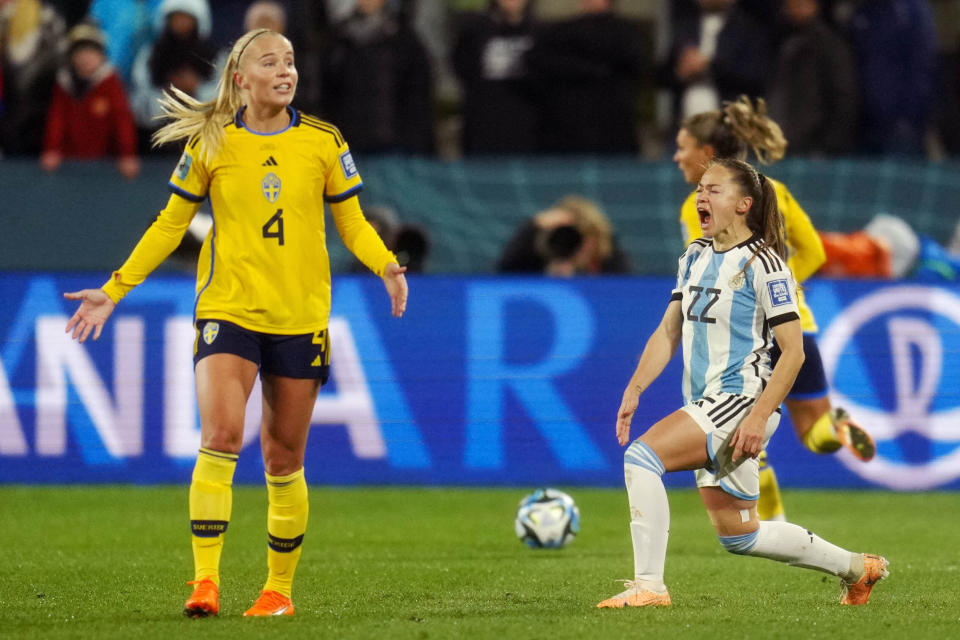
(731, 133)
(263, 291)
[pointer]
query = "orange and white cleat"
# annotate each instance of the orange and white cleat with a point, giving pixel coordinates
(205, 600)
(874, 570)
(636, 596)
(852, 436)
(270, 603)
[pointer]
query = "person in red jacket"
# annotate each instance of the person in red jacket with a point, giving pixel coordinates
(89, 115)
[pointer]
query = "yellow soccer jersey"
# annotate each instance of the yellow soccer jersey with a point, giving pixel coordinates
(804, 247)
(264, 265)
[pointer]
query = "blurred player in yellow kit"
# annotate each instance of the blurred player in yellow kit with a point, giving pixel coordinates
(263, 291)
(731, 133)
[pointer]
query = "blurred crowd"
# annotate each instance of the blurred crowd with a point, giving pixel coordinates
(80, 78)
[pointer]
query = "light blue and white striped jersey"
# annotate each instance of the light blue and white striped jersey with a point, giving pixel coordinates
(728, 316)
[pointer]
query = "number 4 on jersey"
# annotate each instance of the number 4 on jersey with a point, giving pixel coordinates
(275, 221)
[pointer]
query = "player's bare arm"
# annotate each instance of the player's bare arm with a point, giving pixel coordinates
(660, 347)
(748, 439)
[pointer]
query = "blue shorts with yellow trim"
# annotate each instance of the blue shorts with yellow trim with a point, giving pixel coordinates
(304, 355)
(811, 381)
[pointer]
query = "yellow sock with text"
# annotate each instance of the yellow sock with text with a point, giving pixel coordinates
(770, 503)
(822, 437)
(211, 498)
(286, 523)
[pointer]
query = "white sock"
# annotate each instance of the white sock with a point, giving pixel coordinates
(649, 520)
(796, 546)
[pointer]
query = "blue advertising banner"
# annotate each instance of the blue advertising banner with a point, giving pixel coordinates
(485, 381)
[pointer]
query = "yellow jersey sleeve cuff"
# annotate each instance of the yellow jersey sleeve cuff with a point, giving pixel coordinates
(115, 289)
(391, 257)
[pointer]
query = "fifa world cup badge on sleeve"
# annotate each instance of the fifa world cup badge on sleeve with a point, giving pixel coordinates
(779, 292)
(347, 164)
(183, 167)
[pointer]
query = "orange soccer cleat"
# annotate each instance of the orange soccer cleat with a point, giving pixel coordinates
(874, 570)
(635, 596)
(205, 600)
(270, 603)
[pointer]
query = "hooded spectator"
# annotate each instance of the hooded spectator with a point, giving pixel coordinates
(89, 116)
(182, 55)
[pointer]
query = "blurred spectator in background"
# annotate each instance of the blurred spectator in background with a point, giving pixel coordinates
(895, 44)
(265, 14)
(949, 103)
(719, 50)
(376, 83)
(499, 105)
(33, 41)
(573, 237)
(127, 25)
(72, 11)
(89, 116)
(589, 69)
(813, 95)
(409, 242)
(182, 56)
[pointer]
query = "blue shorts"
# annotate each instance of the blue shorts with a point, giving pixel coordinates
(304, 355)
(811, 381)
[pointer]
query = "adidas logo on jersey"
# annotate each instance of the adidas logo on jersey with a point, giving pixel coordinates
(269, 162)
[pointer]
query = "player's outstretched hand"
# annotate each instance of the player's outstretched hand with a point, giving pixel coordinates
(396, 284)
(95, 307)
(628, 406)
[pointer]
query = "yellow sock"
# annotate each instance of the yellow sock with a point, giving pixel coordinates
(822, 437)
(770, 504)
(286, 523)
(211, 498)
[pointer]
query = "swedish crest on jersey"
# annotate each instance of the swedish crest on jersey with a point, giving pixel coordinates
(270, 186)
(210, 331)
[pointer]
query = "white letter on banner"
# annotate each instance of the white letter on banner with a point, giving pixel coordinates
(12, 442)
(181, 433)
(914, 400)
(489, 374)
(119, 424)
(181, 437)
(353, 404)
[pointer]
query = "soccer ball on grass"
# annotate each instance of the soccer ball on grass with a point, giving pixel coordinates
(547, 519)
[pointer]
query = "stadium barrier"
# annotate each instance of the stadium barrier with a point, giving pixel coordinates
(86, 217)
(485, 381)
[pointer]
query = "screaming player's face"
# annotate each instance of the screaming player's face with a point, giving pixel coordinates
(691, 157)
(267, 72)
(721, 205)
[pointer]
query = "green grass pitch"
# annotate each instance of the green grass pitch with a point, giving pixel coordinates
(112, 562)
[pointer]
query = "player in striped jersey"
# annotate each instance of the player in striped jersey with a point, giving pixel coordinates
(263, 291)
(734, 294)
(729, 133)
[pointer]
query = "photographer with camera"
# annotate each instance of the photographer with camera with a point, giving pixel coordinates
(572, 237)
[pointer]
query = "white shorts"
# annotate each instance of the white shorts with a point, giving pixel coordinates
(719, 416)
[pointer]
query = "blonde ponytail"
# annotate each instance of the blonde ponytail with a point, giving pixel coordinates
(751, 124)
(737, 129)
(189, 117)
